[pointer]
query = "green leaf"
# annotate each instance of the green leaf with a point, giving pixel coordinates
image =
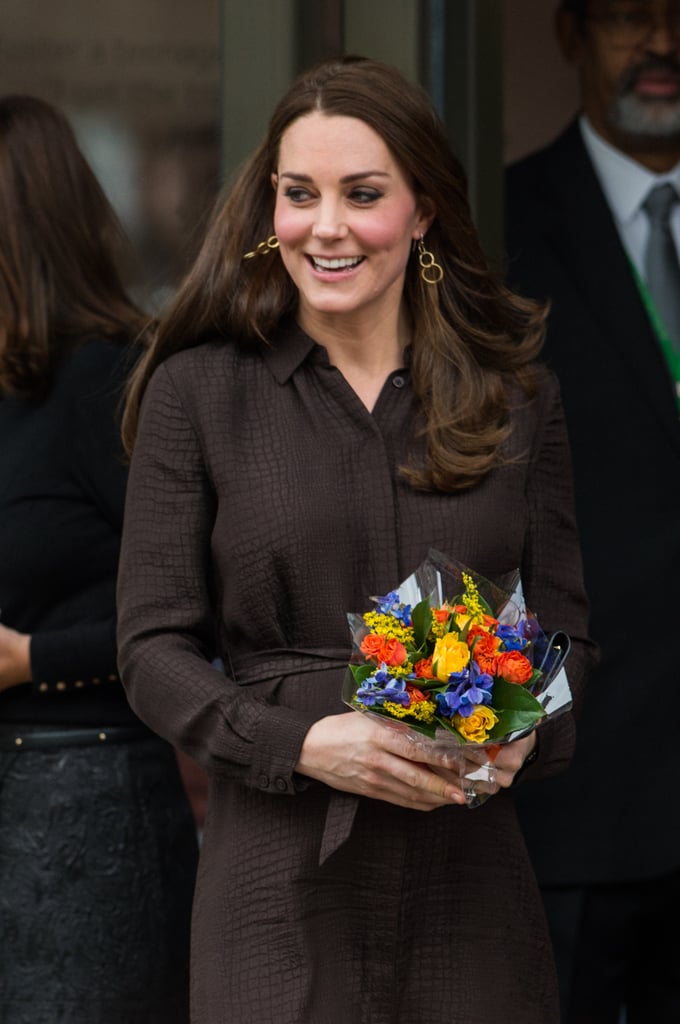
(426, 685)
(417, 726)
(421, 618)
(513, 720)
(514, 697)
(416, 653)
(424, 728)
(362, 672)
(448, 726)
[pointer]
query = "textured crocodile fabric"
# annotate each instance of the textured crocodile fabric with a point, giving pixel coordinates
(96, 879)
(264, 503)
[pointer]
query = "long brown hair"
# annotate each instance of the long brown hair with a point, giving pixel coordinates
(59, 282)
(471, 335)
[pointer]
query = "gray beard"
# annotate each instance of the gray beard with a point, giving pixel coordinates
(649, 119)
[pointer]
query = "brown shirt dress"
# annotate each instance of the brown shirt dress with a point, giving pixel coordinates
(264, 503)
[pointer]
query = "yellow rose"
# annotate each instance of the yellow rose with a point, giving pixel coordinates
(476, 727)
(450, 655)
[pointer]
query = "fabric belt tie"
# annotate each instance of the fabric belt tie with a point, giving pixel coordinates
(272, 664)
(267, 665)
(342, 809)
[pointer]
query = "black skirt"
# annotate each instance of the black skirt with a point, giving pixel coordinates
(98, 854)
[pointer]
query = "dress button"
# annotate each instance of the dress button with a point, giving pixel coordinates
(281, 785)
(398, 382)
(263, 781)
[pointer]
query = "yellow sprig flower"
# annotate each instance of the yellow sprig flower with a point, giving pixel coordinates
(387, 625)
(422, 711)
(472, 600)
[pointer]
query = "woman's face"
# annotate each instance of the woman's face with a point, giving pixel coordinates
(345, 217)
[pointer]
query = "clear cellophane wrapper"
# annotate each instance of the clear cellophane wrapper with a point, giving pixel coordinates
(439, 579)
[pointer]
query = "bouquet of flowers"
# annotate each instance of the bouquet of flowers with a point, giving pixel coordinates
(453, 658)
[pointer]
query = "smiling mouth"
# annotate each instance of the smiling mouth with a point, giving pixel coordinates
(657, 78)
(338, 263)
(658, 91)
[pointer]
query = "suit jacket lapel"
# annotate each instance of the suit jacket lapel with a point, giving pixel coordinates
(597, 264)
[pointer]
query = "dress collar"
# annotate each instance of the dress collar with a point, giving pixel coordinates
(287, 349)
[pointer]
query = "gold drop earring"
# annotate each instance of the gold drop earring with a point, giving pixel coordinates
(263, 248)
(430, 271)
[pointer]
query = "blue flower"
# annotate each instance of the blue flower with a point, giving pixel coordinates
(447, 703)
(512, 639)
(385, 603)
(464, 692)
(368, 696)
(403, 614)
(391, 605)
(381, 686)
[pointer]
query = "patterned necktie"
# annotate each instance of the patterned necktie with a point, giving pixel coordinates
(662, 267)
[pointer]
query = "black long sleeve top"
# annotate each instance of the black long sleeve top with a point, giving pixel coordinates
(63, 476)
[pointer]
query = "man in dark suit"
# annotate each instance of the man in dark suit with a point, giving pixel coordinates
(605, 837)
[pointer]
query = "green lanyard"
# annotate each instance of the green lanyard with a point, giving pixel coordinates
(672, 357)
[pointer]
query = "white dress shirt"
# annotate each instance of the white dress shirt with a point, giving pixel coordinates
(626, 184)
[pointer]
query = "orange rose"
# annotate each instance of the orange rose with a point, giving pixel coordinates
(423, 668)
(477, 630)
(485, 650)
(371, 645)
(441, 614)
(416, 695)
(383, 648)
(514, 667)
(474, 631)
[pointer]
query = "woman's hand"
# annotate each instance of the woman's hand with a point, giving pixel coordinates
(506, 762)
(511, 757)
(15, 657)
(353, 753)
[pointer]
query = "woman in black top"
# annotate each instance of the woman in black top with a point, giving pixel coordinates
(97, 845)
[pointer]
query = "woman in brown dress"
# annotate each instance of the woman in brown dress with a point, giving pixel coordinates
(320, 407)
